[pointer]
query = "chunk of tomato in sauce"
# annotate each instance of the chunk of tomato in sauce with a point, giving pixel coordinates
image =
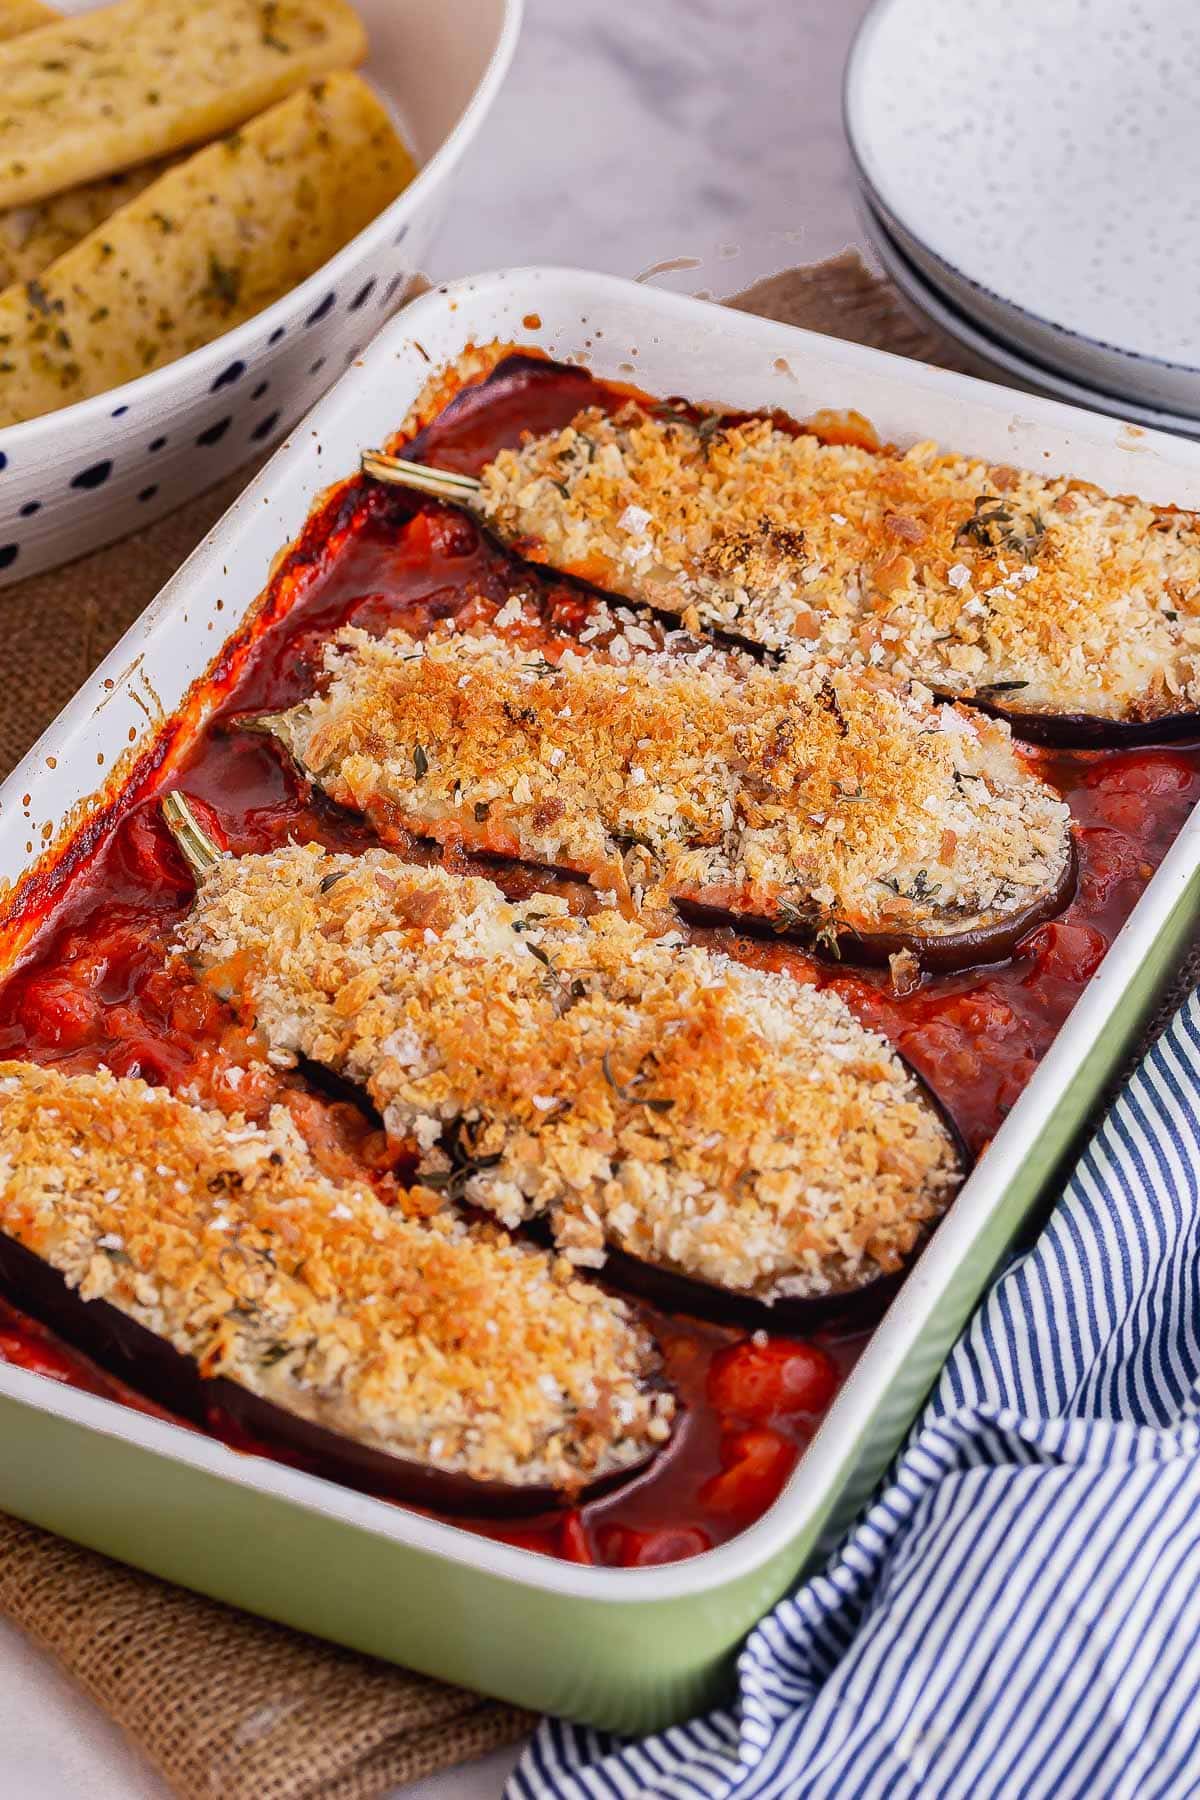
(147, 850)
(761, 1381)
(106, 951)
(1107, 858)
(452, 533)
(59, 1011)
(437, 532)
(754, 1466)
(573, 1542)
(1152, 772)
(627, 1547)
(566, 1537)
(1132, 793)
(41, 1358)
(193, 1012)
(1065, 952)
(145, 1058)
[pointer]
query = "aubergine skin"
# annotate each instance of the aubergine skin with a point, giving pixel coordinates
(671, 1290)
(153, 1367)
(543, 395)
(963, 944)
(938, 954)
(1088, 731)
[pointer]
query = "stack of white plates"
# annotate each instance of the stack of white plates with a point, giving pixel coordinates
(1030, 178)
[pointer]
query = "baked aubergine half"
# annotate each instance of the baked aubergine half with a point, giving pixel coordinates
(733, 1134)
(1072, 613)
(855, 814)
(209, 1262)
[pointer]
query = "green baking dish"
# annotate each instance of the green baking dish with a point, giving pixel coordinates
(637, 1648)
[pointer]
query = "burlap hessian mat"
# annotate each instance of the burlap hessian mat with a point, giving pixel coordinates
(225, 1704)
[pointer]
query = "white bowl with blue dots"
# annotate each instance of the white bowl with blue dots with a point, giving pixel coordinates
(90, 473)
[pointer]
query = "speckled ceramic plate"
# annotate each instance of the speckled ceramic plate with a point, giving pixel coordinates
(1009, 365)
(1038, 163)
(81, 477)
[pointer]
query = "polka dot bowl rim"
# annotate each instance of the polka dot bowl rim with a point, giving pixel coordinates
(34, 442)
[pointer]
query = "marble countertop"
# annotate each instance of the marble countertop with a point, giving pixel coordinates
(685, 129)
(694, 129)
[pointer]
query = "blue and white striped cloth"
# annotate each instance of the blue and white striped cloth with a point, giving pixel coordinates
(1018, 1614)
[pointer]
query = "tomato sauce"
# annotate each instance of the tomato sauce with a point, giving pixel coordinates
(97, 985)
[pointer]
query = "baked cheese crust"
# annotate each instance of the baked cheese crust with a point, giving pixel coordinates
(826, 800)
(728, 1123)
(456, 1348)
(984, 581)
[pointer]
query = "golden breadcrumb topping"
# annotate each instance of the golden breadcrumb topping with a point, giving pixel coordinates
(459, 1350)
(825, 801)
(728, 1123)
(1042, 594)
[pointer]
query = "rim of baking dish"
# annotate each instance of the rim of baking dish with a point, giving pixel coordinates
(838, 1440)
(34, 434)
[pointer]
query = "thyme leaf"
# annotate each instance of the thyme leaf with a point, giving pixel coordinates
(994, 526)
(656, 1103)
(709, 426)
(460, 1144)
(224, 283)
(922, 888)
(804, 919)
